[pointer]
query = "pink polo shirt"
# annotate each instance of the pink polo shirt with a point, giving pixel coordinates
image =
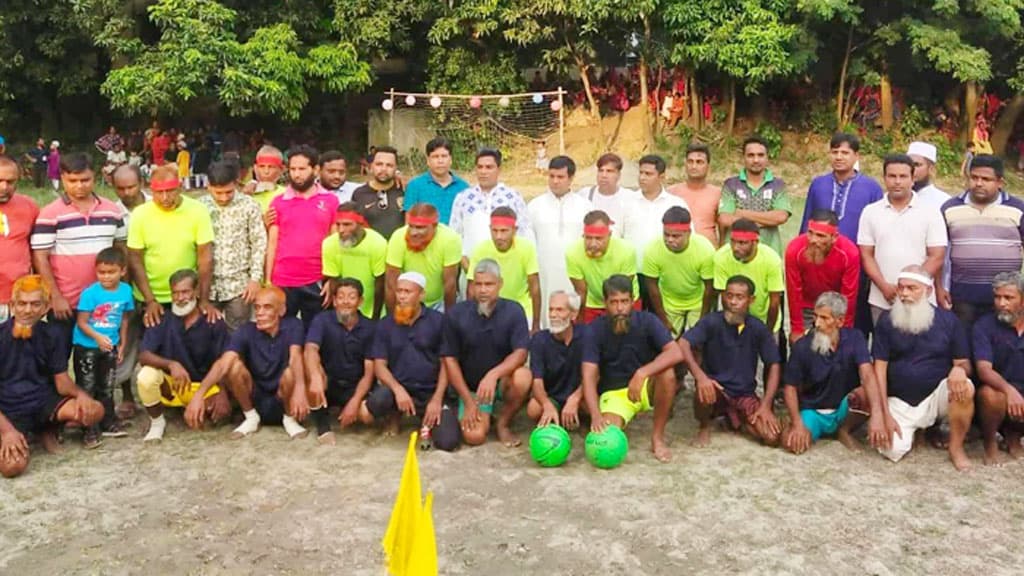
(302, 223)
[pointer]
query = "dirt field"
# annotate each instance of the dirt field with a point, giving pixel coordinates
(202, 504)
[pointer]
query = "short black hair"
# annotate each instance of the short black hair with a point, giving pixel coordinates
(743, 280)
(492, 152)
(439, 142)
(825, 215)
(595, 216)
(617, 284)
(385, 150)
(351, 207)
(185, 274)
(900, 159)
(222, 173)
(347, 282)
(988, 161)
(698, 148)
(745, 225)
(504, 212)
(610, 158)
(559, 162)
(754, 139)
(840, 138)
(331, 156)
(75, 163)
(306, 151)
(657, 161)
(111, 255)
(676, 215)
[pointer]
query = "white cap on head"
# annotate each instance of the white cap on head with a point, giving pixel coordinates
(414, 277)
(55, 144)
(923, 149)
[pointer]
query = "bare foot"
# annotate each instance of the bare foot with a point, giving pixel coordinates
(391, 427)
(50, 444)
(959, 459)
(661, 450)
(506, 436)
(125, 410)
(993, 457)
(850, 442)
(1013, 447)
(703, 439)
(326, 439)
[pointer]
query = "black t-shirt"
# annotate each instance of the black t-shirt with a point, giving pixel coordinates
(342, 351)
(823, 381)
(480, 343)
(556, 363)
(384, 210)
(619, 356)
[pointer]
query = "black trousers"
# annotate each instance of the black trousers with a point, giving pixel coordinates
(94, 373)
(304, 302)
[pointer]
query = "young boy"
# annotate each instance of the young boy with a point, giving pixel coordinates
(101, 327)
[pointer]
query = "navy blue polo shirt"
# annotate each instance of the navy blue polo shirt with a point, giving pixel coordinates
(196, 348)
(918, 362)
(730, 353)
(556, 363)
(619, 356)
(28, 367)
(480, 343)
(267, 356)
(413, 353)
(824, 380)
(999, 344)
(342, 351)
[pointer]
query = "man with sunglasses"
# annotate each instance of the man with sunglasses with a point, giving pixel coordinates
(382, 198)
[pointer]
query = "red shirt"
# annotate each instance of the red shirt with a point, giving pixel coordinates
(805, 281)
(16, 219)
(159, 146)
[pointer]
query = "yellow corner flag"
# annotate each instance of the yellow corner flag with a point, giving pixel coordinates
(409, 546)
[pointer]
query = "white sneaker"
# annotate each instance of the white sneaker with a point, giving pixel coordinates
(293, 428)
(248, 427)
(156, 430)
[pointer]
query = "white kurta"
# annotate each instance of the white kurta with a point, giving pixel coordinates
(615, 205)
(643, 220)
(556, 223)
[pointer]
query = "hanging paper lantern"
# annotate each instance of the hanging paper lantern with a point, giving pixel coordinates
(410, 100)
(537, 98)
(387, 104)
(504, 102)
(556, 105)
(475, 102)
(435, 101)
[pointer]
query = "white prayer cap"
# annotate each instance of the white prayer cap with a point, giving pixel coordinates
(414, 277)
(923, 149)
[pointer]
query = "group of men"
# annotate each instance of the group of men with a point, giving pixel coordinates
(461, 304)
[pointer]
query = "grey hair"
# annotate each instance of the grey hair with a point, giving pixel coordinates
(834, 301)
(1004, 279)
(572, 297)
(488, 266)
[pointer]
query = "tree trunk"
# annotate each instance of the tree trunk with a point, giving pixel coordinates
(694, 94)
(648, 128)
(730, 119)
(841, 92)
(1003, 128)
(970, 110)
(584, 68)
(885, 95)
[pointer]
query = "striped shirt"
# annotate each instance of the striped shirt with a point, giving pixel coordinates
(983, 241)
(74, 238)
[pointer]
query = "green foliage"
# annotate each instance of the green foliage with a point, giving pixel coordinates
(948, 53)
(772, 136)
(820, 118)
(461, 71)
(913, 122)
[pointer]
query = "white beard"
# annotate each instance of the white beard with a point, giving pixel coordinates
(559, 326)
(183, 310)
(912, 318)
(821, 343)
(485, 310)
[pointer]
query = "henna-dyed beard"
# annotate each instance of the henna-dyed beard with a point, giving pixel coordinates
(22, 331)
(404, 315)
(418, 245)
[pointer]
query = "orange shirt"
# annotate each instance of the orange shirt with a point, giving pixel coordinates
(703, 203)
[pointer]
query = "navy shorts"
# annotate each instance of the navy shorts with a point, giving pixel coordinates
(267, 405)
(38, 415)
(381, 401)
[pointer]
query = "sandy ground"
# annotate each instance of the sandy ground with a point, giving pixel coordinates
(202, 504)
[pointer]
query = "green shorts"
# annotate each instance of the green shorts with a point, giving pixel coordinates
(484, 408)
(617, 402)
(682, 320)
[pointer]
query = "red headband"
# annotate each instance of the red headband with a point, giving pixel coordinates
(272, 160)
(744, 236)
(503, 221)
(596, 230)
(164, 185)
(421, 220)
(677, 227)
(822, 228)
(351, 217)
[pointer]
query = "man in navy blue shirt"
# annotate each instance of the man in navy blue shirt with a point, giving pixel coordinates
(556, 355)
(338, 361)
(628, 360)
(829, 382)
(263, 370)
(999, 359)
(176, 354)
(485, 343)
(922, 364)
(730, 344)
(406, 356)
(36, 393)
